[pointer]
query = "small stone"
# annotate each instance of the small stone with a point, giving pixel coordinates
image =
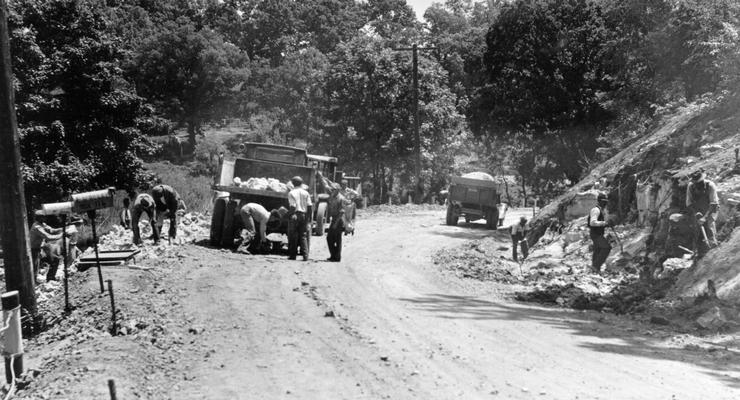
(329, 314)
(659, 320)
(383, 358)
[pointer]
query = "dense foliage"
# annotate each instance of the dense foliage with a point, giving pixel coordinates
(531, 87)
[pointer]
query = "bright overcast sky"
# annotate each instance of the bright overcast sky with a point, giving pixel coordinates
(420, 6)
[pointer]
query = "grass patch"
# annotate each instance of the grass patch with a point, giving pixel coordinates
(194, 190)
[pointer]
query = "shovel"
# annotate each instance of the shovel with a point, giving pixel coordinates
(619, 242)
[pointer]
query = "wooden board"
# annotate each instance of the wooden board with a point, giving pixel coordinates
(253, 192)
(110, 256)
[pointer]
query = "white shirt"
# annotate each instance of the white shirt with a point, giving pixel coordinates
(594, 217)
(518, 228)
(300, 199)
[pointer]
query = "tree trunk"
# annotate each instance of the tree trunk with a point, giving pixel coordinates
(524, 192)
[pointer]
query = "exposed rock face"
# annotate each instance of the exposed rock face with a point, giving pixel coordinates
(646, 185)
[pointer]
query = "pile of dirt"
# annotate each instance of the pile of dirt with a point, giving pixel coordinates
(395, 209)
(81, 349)
(481, 260)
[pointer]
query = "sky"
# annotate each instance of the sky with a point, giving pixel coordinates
(420, 6)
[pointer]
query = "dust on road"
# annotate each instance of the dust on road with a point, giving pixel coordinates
(387, 323)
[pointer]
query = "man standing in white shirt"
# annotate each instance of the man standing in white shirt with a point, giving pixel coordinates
(299, 202)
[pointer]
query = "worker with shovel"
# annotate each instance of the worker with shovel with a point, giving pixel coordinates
(519, 237)
(702, 202)
(597, 223)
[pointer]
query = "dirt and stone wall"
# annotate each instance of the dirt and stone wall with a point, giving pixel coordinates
(646, 185)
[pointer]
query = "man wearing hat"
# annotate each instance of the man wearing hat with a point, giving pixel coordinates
(38, 234)
(335, 212)
(299, 203)
(702, 202)
(518, 234)
(168, 202)
(597, 223)
(144, 203)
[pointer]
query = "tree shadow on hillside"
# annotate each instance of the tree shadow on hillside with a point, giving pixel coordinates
(717, 362)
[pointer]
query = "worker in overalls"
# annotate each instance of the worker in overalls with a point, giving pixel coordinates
(702, 202)
(144, 204)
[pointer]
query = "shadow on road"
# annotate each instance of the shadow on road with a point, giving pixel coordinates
(469, 232)
(717, 362)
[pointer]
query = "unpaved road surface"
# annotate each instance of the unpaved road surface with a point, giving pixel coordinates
(386, 323)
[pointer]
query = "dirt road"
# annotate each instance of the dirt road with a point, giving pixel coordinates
(388, 323)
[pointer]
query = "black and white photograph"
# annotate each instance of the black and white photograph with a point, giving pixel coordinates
(370, 199)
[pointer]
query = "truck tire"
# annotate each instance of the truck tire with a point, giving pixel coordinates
(227, 235)
(492, 218)
(451, 216)
(217, 221)
(320, 218)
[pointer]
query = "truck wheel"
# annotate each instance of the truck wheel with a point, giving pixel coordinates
(467, 219)
(320, 218)
(217, 221)
(451, 216)
(227, 235)
(492, 219)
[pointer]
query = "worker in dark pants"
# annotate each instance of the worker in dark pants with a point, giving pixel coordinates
(518, 236)
(38, 235)
(335, 210)
(144, 204)
(702, 202)
(168, 202)
(597, 223)
(299, 202)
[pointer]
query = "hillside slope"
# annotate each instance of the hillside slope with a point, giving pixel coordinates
(646, 185)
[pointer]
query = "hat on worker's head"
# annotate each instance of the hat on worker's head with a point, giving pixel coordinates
(602, 197)
(523, 219)
(282, 211)
(297, 181)
(75, 219)
(145, 203)
(697, 175)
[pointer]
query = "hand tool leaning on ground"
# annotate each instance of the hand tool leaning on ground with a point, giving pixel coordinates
(616, 237)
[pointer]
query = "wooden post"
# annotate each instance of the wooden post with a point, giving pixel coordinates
(13, 218)
(65, 256)
(112, 389)
(13, 346)
(113, 328)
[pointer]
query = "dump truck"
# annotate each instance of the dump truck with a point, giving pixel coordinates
(261, 160)
(473, 196)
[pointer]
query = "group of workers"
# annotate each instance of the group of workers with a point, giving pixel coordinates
(256, 219)
(163, 202)
(702, 204)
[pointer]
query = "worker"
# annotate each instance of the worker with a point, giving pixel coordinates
(702, 202)
(335, 211)
(126, 214)
(299, 202)
(253, 213)
(144, 204)
(38, 235)
(348, 192)
(597, 223)
(168, 203)
(519, 235)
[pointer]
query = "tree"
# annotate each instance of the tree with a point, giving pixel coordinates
(77, 114)
(190, 75)
(369, 114)
(543, 77)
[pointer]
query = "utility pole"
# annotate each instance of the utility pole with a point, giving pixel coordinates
(417, 136)
(13, 219)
